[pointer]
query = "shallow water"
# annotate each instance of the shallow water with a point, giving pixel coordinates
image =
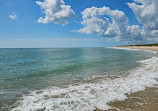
(64, 78)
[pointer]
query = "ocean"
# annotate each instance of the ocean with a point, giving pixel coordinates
(72, 79)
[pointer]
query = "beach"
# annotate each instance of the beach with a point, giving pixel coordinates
(79, 55)
(152, 48)
(146, 100)
(78, 79)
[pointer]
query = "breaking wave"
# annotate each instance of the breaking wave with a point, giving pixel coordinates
(87, 96)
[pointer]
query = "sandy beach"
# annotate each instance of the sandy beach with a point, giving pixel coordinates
(153, 48)
(139, 101)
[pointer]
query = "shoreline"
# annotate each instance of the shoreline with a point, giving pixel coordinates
(119, 93)
(151, 48)
(145, 100)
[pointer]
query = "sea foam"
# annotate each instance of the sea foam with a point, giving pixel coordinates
(89, 96)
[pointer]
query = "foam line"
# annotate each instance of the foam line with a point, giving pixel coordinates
(89, 96)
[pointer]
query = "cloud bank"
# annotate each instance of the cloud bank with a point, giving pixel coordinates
(113, 24)
(55, 12)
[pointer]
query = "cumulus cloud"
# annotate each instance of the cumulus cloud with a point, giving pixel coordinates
(105, 22)
(146, 12)
(113, 24)
(55, 12)
(12, 16)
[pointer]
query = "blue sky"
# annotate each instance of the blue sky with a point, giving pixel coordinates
(19, 26)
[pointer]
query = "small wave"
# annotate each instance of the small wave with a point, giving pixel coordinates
(91, 95)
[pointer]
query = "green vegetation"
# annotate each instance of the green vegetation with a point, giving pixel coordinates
(145, 45)
(141, 45)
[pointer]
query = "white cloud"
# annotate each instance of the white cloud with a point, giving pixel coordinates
(113, 24)
(105, 22)
(96, 22)
(146, 12)
(12, 16)
(55, 12)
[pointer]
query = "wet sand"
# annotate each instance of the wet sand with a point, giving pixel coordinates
(139, 101)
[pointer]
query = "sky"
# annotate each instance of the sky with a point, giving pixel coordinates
(77, 23)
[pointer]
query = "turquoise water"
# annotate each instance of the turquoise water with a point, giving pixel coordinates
(25, 70)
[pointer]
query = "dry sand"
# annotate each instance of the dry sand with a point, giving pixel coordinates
(153, 48)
